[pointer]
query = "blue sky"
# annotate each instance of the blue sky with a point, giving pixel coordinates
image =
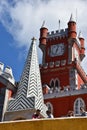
(20, 20)
(9, 54)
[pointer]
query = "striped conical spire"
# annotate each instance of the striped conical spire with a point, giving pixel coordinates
(29, 94)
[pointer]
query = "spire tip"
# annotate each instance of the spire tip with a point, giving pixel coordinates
(33, 39)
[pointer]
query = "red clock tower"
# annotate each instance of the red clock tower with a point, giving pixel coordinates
(61, 72)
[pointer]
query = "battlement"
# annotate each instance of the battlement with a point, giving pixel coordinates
(65, 92)
(58, 33)
(54, 64)
(6, 73)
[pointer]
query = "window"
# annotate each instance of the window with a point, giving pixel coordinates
(49, 106)
(52, 83)
(79, 102)
(55, 84)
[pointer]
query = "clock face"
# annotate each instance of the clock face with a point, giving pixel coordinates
(57, 50)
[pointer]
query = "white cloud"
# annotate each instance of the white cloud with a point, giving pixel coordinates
(23, 18)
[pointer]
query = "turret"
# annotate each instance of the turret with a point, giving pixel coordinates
(43, 36)
(82, 52)
(72, 27)
(7, 78)
(7, 85)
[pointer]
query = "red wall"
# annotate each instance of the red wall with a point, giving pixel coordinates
(61, 74)
(62, 105)
(52, 42)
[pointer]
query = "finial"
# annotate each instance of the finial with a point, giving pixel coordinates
(76, 15)
(80, 35)
(59, 25)
(43, 23)
(72, 19)
(33, 39)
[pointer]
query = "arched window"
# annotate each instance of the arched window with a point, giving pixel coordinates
(52, 85)
(49, 106)
(79, 102)
(57, 83)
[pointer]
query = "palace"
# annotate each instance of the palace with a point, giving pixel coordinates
(59, 84)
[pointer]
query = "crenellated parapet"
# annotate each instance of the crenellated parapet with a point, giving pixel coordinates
(58, 33)
(53, 64)
(7, 85)
(7, 73)
(67, 91)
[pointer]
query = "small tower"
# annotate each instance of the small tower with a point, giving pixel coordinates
(72, 27)
(43, 34)
(29, 96)
(43, 39)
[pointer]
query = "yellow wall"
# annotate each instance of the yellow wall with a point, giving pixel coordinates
(47, 124)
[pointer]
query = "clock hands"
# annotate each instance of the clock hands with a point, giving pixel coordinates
(57, 50)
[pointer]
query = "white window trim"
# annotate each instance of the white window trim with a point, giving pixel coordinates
(48, 103)
(79, 100)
